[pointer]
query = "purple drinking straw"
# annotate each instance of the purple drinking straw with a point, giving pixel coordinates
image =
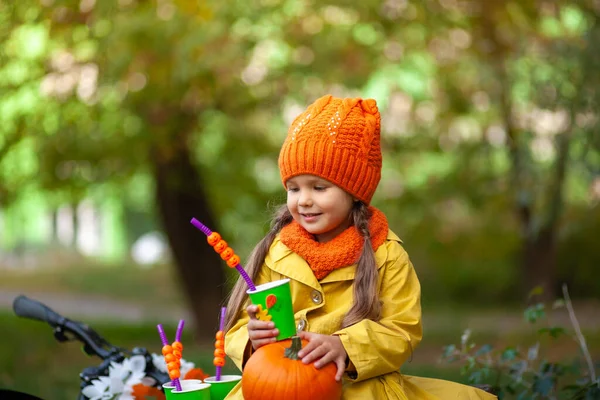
(165, 342)
(163, 335)
(221, 327)
(208, 232)
(179, 330)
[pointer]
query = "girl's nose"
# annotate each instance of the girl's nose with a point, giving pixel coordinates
(304, 200)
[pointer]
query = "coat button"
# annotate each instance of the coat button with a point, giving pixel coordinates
(301, 325)
(316, 297)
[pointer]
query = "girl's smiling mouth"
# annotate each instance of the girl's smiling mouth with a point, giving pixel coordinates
(310, 217)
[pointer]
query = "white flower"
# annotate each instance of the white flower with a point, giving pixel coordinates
(136, 363)
(120, 380)
(159, 363)
(98, 390)
(116, 373)
(122, 377)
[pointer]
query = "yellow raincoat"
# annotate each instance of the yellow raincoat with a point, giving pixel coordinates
(376, 349)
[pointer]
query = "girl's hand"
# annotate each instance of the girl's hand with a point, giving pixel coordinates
(260, 332)
(324, 349)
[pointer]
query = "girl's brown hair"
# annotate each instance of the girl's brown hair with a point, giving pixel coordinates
(366, 304)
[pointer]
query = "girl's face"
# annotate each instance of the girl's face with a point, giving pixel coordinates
(321, 207)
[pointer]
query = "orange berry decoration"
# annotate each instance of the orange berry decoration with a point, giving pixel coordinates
(227, 253)
(167, 350)
(174, 374)
(223, 249)
(213, 238)
(233, 261)
(219, 359)
(177, 346)
(219, 353)
(220, 246)
(172, 355)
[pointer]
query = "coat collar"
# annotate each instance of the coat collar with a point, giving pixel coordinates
(284, 261)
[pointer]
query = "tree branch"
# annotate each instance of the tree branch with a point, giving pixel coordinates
(580, 337)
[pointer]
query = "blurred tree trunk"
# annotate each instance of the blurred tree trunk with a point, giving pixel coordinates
(537, 258)
(180, 196)
(539, 263)
(538, 253)
(75, 226)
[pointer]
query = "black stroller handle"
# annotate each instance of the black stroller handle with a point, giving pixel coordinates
(27, 308)
(93, 344)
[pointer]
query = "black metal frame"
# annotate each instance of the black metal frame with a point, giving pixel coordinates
(93, 344)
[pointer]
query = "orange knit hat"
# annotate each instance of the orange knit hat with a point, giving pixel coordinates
(338, 140)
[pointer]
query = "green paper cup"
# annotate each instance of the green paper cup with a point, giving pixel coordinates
(190, 392)
(220, 389)
(185, 384)
(275, 298)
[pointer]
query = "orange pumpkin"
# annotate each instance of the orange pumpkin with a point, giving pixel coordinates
(276, 372)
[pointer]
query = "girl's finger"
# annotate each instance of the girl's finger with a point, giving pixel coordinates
(256, 344)
(315, 354)
(252, 310)
(306, 335)
(260, 325)
(255, 324)
(313, 342)
(325, 359)
(262, 334)
(341, 367)
(308, 348)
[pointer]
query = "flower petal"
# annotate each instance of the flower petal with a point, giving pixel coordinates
(138, 363)
(147, 381)
(159, 363)
(103, 382)
(135, 378)
(116, 385)
(91, 391)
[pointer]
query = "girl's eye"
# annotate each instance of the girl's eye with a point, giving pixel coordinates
(320, 188)
(292, 189)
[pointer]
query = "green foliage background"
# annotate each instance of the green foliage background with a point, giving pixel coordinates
(490, 133)
(489, 109)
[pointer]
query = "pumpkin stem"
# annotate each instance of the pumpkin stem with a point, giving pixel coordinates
(292, 351)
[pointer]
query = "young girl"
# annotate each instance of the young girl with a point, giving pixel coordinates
(355, 293)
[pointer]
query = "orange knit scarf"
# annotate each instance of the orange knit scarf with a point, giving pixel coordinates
(341, 251)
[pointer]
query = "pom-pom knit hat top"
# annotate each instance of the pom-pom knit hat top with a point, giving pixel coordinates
(337, 140)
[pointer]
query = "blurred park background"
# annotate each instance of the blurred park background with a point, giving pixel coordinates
(120, 120)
